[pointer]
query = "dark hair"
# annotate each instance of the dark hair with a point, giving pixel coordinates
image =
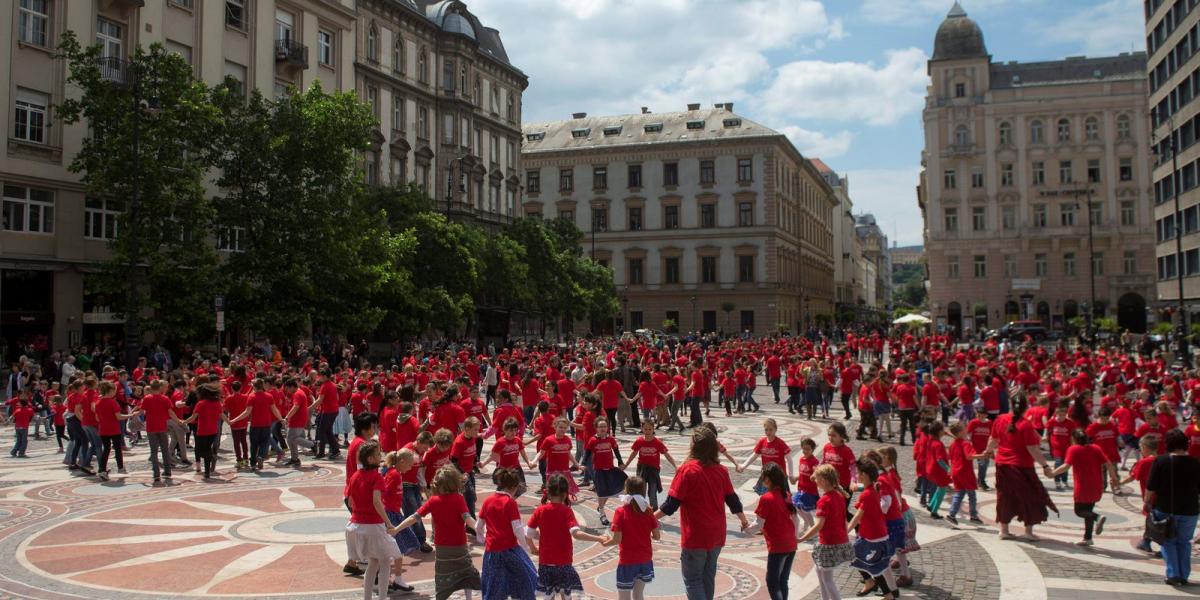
(808, 442)
(1019, 405)
(1079, 436)
(363, 422)
(839, 429)
(506, 479)
(774, 477)
(704, 446)
(1176, 440)
(557, 486)
(208, 391)
(868, 467)
(365, 451)
(635, 486)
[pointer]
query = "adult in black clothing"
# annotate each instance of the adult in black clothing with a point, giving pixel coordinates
(1173, 491)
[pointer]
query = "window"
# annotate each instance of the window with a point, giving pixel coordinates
(1005, 133)
(423, 67)
(235, 77)
(1098, 263)
(1129, 262)
(1039, 265)
(950, 219)
(960, 90)
(1091, 129)
(567, 215)
(600, 178)
(1064, 172)
(1036, 132)
(976, 178)
(635, 218)
(235, 14)
(671, 269)
(373, 44)
(399, 112)
(708, 269)
(1064, 130)
(745, 214)
(372, 168)
(533, 181)
(1126, 169)
(961, 137)
(28, 209)
(708, 215)
(325, 47)
(1067, 215)
(100, 218)
(746, 269)
(1069, 264)
(1039, 215)
(284, 23)
(1095, 213)
(1008, 217)
(1123, 125)
(980, 264)
(183, 3)
(1093, 170)
(510, 108)
(373, 100)
(29, 123)
(566, 180)
(745, 168)
(1128, 214)
(184, 52)
(423, 122)
(978, 218)
(635, 176)
(33, 24)
(448, 74)
(670, 173)
(952, 267)
(1006, 175)
(231, 239)
(399, 169)
(950, 181)
(398, 58)
(635, 271)
(671, 216)
(708, 172)
(1010, 265)
(1039, 172)
(600, 219)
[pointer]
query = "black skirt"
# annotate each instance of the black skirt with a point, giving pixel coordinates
(610, 482)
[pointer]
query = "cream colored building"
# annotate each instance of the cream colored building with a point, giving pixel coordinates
(407, 58)
(691, 210)
(1013, 151)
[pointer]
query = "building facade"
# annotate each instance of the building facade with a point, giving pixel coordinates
(1036, 177)
(707, 219)
(1172, 38)
(397, 54)
(877, 266)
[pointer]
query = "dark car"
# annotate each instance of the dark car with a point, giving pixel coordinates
(1018, 330)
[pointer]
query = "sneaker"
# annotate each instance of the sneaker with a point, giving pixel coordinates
(102, 475)
(157, 480)
(1144, 546)
(976, 520)
(1057, 486)
(935, 516)
(985, 487)
(122, 471)
(86, 471)
(1084, 543)
(953, 520)
(1100, 524)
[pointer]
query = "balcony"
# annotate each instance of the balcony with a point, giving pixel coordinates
(115, 70)
(291, 53)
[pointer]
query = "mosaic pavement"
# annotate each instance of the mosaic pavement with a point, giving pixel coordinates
(279, 534)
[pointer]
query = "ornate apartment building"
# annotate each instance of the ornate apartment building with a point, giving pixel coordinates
(694, 211)
(1024, 164)
(441, 84)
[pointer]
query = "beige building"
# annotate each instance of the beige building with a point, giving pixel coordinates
(907, 255)
(440, 82)
(1013, 154)
(876, 266)
(692, 210)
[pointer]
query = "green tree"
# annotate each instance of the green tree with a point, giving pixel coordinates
(163, 251)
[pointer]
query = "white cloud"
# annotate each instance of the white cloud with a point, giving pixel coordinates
(814, 144)
(1112, 27)
(918, 12)
(891, 195)
(849, 91)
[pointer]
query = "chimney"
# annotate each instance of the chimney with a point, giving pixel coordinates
(695, 106)
(728, 107)
(582, 115)
(645, 110)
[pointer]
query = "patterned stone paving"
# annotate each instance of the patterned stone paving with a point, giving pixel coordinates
(278, 535)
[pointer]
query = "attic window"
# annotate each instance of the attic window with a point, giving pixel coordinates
(732, 122)
(612, 130)
(581, 133)
(695, 124)
(654, 128)
(1016, 79)
(535, 137)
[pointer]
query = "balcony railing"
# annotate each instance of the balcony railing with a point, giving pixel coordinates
(115, 70)
(291, 52)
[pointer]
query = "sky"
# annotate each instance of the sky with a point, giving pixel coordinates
(844, 79)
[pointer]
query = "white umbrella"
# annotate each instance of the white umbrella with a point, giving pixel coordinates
(912, 318)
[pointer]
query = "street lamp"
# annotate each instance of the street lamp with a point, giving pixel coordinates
(1089, 313)
(693, 301)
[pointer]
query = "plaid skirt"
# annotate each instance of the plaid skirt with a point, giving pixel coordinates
(453, 570)
(558, 579)
(829, 556)
(509, 574)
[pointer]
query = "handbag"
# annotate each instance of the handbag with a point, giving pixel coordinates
(1161, 530)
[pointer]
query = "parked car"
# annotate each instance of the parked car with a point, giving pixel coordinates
(1017, 331)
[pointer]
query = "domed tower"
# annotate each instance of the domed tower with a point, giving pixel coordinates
(958, 37)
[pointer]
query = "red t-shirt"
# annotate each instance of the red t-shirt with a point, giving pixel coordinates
(329, 398)
(156, 408)
(872, 525)
(554, 522)
(1087, 463)
(775, 510)
(906, 396)
(558, 452)
(447, 511)
(209, 418)
(1141, 471)
(701, 491)
(1104, 435)
(1125, 419)
(260, 409)
(962, 471)
(1011, 447)
(106, 415)
(842, 458)
(774, 451)
(935, 454)
(649, 452)
(979, 432)
(22, 415)
(602, 452)
(352, 461)
(362, 487)
(805, 465)
(508, 452)
(299, 418)
(1060, 435)
(463, 452)
(610, 393)
(498, 512)
(1193, 434)
(832, 506)
(635, 528)
(435, 458)
(235, 404)
(502, 414)
(393, 491)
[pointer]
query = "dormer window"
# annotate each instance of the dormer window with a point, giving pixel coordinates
(695, 124)
(732, 123)
(535, 137)
(653, 128)
(581, 133)
(612, 130)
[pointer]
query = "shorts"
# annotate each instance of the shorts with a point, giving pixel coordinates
(627, 574)
(1129, 440)
(805, 501)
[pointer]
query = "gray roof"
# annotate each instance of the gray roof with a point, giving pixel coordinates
(958, 37)
(561, 135)
(452, 16)
(1126, 66)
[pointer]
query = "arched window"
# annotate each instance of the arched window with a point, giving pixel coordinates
(476, 91)
(1091, 129)
(1036, 132)
(462, 79)
(423, 66)
(1064, 130)
(1123, 126)
(373, 43)
(961, 136)
(1006, 133)
(398, 56)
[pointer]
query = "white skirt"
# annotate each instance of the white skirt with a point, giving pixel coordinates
(366, 542)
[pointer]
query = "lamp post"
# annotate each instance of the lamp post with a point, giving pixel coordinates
(1089, 314)
(693, 301)
(1181, 337)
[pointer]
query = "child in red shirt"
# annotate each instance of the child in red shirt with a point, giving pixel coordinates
(833, 543)
(806, 495)
(633, 526)
(773, 450)
(962, 474)
(1141, 473)
(22, 414)
(507, 570)
(1058, 433)
(369, 534)
(398, 463)
(1087, 464)
(777, 523)
(448, 510)
(937, 466)
(649, 451)
(555, 524)
(873, 551)
(556, 451)
(609, 479)
(979, 431)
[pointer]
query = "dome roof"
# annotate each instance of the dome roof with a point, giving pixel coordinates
(958, 37)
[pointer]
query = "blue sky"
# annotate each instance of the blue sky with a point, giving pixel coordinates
(845, 79)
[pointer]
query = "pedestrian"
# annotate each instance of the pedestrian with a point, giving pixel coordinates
(1141, 473)
(778, 524)
(1088, 465)
(610, 480)
(1019, 493)
(873, 549)
(453, 569)
(833, 542)
(806, 496)
(369, 535)
(108, 417)
(650, 451)
(555, 525)
(633, 527)
(937, 466)
(962, 474)
(1173, 494)
(772, 450)
(507, 571)
(22, 414)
